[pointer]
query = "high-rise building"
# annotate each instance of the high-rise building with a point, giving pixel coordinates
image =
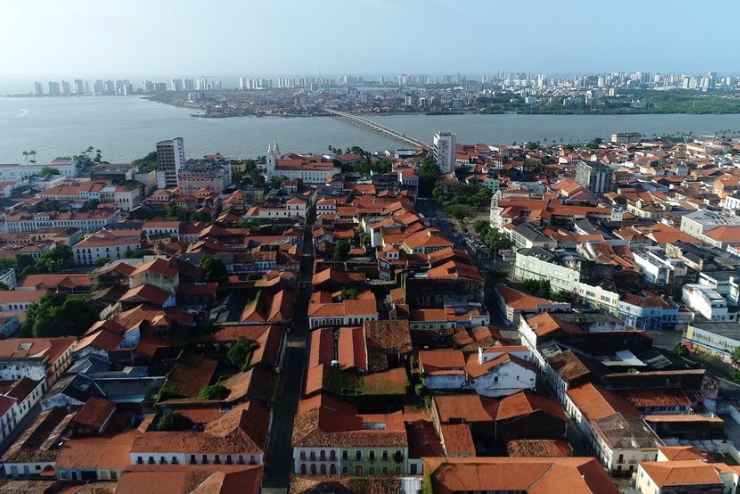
(242, 83)
(170, 158)
(79, 87)
(189, 84)
(38, 89)
(110, 87)
(99, 87)
(594, 176)
(66, 88)
(54, 88)
(176, 85)
(445, 149)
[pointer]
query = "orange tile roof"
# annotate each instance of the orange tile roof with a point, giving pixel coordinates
(596, 403)
(457, 439)
(534, 475)
(442, 361)
(682, 473)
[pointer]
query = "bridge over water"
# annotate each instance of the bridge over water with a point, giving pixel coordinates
(374, 126)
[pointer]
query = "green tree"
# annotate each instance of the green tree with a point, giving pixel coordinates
(47, 172)
(147, 163)
(59, 315)
(428, 176)
(457, 211)
(736, 356)
(214, 392)
(341, 251)
(173, 421)
(214, 269)
(239, 353)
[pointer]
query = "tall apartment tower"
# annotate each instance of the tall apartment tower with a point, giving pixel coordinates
(38, 89)
(170, 158)
(594, 176)
(445, 149)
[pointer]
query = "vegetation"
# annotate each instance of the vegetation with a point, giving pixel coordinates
(47, 172)
(492, 237)
(239, 355)
(628, 101)
(350, 293)
(458, 200)
(146, 164)
(214, 269)
(169, 391)
(55, 259)
(173, 421)
(59, 315)
(214, 392)
(428, 176)
(341, 251)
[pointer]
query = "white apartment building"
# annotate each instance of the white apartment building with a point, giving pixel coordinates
(706, 301)
(444, 148)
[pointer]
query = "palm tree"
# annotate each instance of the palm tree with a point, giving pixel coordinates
(32, 153)
(25, 156)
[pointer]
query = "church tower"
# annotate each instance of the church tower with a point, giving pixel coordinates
(273, 154)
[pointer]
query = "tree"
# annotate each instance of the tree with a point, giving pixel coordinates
(201, 216)
(239, 353)
(47, 172)
(429, 174)
(147, 163)
(214, 269)
(341, 251)
(481, 227)
(173, 421)
(457, 211)
(214, 392)
(736, 356)
(91, 204)
(58, 315)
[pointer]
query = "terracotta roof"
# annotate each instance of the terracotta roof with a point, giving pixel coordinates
(106, 453)
(521, 301)
(682, 473)
(44, 348)
(190, 479)
(534, 475)
(21, 296)
(457, 439)
(468, 407)
(53, 281)
(475, 368)
(542, 448)
(146, 294)
(159, 266)
(352, 349)
(323, 420)
(389, 335)
(94, 413)
(444, 361)
(596, 403)
(681, 452)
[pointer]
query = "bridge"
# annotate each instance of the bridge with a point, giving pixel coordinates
(374, 126)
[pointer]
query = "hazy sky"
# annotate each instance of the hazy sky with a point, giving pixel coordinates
(230, 37)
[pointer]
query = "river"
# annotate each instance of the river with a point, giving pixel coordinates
(125, 128)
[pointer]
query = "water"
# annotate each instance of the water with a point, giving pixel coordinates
(127, 128)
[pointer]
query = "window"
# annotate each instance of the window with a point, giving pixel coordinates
(358, 455)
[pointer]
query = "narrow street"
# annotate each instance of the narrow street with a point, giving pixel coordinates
(279, 458)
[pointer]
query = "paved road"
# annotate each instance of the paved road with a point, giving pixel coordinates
(279, 461)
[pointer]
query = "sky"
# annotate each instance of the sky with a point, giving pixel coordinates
(149, 38)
